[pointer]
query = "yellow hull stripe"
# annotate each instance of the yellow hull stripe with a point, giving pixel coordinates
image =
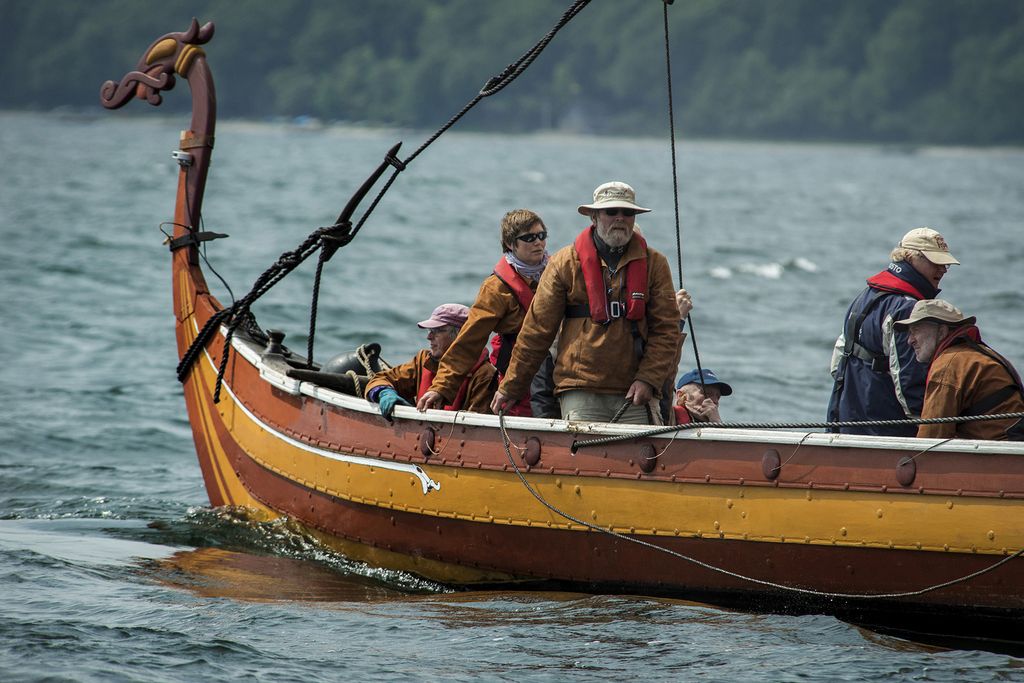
(908, 521)
(226, 483)
(732, 512)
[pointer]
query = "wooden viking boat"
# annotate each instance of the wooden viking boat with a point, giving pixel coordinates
(889, 532)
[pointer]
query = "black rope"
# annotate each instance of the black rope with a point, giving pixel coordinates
(622, 409)
(789, 425)
(672, 148)
(761, 582)
(239, 311)
(494, 85)
(314, 302)
(675, 188)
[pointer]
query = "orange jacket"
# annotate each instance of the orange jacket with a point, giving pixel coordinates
(406, 378)
(959, 377)
(496, 309)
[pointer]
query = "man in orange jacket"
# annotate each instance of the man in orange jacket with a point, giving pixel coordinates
(965, 376)
(610, 299)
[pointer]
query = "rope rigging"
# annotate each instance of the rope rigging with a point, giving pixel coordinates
(675, 186)
(329, 239)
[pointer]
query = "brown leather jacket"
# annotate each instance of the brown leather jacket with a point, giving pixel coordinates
(496, 309)
(406, 379)
(594, 357)
(960, 377)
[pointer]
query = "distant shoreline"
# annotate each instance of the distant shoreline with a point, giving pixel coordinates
(166, 115)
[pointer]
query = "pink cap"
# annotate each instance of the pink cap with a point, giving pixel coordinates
(445, 314)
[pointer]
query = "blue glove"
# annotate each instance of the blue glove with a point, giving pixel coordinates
(388, 399)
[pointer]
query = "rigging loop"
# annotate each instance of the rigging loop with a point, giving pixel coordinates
(334, 237)
(395, 161)
(193, 238)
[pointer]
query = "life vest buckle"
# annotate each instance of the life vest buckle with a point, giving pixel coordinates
(616, 310)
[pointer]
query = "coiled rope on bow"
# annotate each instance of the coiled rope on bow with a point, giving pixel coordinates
(239, 311)
(700, 563)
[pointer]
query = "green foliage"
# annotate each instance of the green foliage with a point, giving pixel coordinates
(908, 71)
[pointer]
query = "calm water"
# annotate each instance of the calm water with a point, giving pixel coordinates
(112, 565)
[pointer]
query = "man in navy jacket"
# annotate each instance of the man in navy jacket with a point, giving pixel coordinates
(876, 374)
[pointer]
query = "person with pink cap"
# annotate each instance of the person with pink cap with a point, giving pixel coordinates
(404, 384)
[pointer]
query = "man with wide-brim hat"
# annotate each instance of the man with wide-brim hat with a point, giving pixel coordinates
(609, 299)
(965, 376)
(876, 375)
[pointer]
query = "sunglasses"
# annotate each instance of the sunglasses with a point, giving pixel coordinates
(531, 237)
(625, 212)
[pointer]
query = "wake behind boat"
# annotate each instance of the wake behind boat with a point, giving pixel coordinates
(909, 534)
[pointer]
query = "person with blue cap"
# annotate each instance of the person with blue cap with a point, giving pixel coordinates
(696, 400)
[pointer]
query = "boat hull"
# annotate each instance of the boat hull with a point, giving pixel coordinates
(834, 531)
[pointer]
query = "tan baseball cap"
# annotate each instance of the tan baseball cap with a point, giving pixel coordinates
(935, 311)
(931, 244)
(613, 195)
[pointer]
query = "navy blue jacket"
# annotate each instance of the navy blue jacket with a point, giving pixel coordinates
(878, 377)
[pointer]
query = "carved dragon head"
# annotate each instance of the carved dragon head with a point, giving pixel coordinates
(169, 55)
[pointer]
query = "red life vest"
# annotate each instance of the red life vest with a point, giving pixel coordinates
(514, 281)
(427, 378)
(504, 271)
(887, 282)
(682, 415)
(970, 331)
(593, 277)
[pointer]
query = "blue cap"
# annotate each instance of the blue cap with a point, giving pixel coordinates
(692, 377)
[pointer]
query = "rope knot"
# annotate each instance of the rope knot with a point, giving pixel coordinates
(288, 260)
(337, 235)
(395, 161)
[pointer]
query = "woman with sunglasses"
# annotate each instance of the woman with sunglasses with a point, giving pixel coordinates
(500, 307)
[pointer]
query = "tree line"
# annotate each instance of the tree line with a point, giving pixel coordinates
(900, 71)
